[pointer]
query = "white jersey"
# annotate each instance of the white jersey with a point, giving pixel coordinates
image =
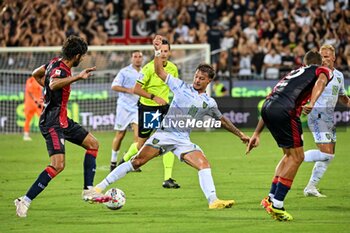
(320, 120)
(327, 101)
(187, 107)
(127, 78)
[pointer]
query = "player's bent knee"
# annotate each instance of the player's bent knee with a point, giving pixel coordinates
(59, 168)
(326, 156)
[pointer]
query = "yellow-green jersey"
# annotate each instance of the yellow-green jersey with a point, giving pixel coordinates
(153, 84)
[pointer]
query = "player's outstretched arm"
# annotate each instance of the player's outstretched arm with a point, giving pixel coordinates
(123, 89)
(227, 124)
(39, 75)
(58, 83)
(255, 139)
(158, 63)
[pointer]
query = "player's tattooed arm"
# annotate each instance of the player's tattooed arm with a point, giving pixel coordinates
(227, 124)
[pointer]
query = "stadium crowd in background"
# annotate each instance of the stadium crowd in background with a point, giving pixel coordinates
(249, 39)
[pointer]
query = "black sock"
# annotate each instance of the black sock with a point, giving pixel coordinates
(274, 185)
(283, 186)
(41, 182)
(89, 168)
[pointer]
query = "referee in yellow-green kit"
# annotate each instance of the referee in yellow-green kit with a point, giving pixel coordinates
(154, 100)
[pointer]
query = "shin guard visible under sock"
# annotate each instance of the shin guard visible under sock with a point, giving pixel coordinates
(168, 163)
(273, 187)
(207, 184)
(283, 186)
(41, 182)
(318, 171)
(89, 167)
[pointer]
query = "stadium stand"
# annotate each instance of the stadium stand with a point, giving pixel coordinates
(240, 32)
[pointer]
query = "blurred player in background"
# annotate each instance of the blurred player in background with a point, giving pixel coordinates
(127, 110)
(33, 104)
(281, 114)
(190, 103)
(56, 127)
(321, 122)
(154, 97)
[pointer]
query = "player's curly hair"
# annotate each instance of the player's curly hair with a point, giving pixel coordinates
(206, 68)
(73, 46)
(313, 58)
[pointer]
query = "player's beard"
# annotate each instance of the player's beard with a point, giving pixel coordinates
(76, 62)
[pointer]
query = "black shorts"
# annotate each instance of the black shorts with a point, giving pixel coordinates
(283, 124)
(55, 136)
(145, 130)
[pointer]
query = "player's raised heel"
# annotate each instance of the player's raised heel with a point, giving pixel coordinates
(221, 204)
(21, 207)
(311, 191)
(93, 195)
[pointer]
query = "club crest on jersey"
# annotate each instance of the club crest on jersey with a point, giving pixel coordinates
(205, 105)
(339, 80)
(155, 141)
(58, 72)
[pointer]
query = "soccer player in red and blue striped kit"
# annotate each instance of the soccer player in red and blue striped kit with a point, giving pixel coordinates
(56, 127)
(296, 92)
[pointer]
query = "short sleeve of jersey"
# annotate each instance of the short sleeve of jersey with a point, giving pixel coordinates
(175, 72)
(326, 71)
(175, 85)
(58, 73)
(145, 74)
(119, 79)
(214, 111)
(342, 88)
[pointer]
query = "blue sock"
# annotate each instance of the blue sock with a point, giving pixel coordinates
(283, 186)
(89, 168)
(274, 185)
(41, 182)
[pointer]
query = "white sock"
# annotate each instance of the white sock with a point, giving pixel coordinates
(312, 156)
(271, 195)
(25, 198)
(115, 175)
(319, 169)
(114, 157)
(277, 203)
(207, 184)
(317, 155)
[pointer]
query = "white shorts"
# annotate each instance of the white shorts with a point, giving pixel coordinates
(124, 117)
(166, 142)
(322, 130)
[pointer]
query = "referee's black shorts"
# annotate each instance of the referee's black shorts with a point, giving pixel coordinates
(143, 110)
(283, 124)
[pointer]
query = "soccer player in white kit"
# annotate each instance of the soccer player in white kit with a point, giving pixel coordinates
(190, 103)
(127, 110)
(321, 123)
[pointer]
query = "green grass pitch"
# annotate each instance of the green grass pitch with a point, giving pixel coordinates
(150, 208)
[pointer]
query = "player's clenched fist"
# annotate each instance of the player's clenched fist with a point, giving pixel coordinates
(157, 42)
